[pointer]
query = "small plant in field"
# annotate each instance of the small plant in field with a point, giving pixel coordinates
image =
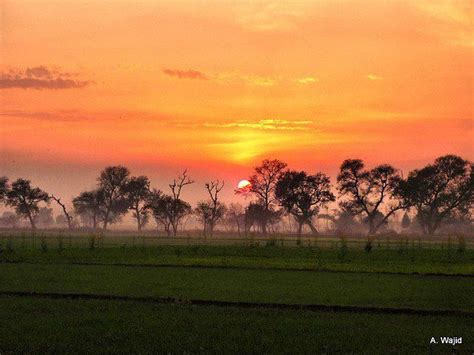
(177, 252)
(461, 245)
(368, 245)
(9, 246)
(271, 242)
(342, 250)
(43, 245)
(298, 241)
(91, 242)
(60, 244)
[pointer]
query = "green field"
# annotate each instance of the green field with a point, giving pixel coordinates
(235, 298)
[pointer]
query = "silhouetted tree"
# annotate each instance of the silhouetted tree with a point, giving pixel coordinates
(302, 195)
(44, 218)
(235, 216)
(113, 182)
(90, 207)
(25, 199)
(9, 219)
(138, 194)
(263, 184)
(210, 212)
(256, 214)
(67, 215)
(3, 188)
(179, 208)
(439, 190)
(406, 222)
(367, 191)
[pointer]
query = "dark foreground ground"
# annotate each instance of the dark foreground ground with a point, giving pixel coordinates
(56, 298)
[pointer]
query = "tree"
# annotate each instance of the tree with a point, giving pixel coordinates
(3, 188)
(168, 211)
(302, 195)
(235, 217)
(9, 219)
(44, 218)
(90, 207)
(138, 194)
(67, 215)
(178, 208)
(406, 222)
(263, 184)
(367, 191)
(256, 214)
(210, 212)
(113, 182)
(439, 190)
(25, 199)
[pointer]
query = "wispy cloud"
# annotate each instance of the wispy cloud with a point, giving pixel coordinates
(374, 77)
(40, 78)
(267, 124)
(307, 80)
(185, 74)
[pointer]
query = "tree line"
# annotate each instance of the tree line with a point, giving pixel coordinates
(436, 193)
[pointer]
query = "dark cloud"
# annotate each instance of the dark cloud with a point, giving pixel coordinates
(185, 74)
(39, 78)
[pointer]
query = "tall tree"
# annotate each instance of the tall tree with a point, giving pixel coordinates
(113, 182)
(3, 188)
(179, 208)
(263, 183)
(90, 207)
(235, 216)
(25, 199)
(138, 195)
(302, 196)
(439, 190)
(217, 209)
(67, 215)
(366, 192)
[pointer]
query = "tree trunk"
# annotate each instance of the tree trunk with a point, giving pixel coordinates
(139, 222)
(300, 229)
(32, 221)
(372, 228)
(312, 227)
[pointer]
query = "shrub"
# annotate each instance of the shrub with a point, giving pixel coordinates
(91, 242)
(60, 244)
(342, 250)
(368, 246)
(44, 246)
(461, 244)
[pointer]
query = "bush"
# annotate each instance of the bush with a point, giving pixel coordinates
(368, 246)
(44, 246)
(91, 242)
(461, 244)
(60, 244)
(342, 250)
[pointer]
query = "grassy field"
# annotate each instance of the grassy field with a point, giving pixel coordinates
(392, 299)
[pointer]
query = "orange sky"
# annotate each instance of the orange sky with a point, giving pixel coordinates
(217, 86)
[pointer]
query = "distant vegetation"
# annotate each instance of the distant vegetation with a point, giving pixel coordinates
(437, 197)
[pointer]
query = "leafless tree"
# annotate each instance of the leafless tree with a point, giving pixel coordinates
(65, 211)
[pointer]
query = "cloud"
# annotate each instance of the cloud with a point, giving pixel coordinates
(374, 77)
(307, 80)
(185, 74)
(267, 124)
(39, 78)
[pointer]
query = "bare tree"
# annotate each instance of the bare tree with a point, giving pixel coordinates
(179, 208)
(210, 212)
(65, 211)
(367, 191)
(25, 199)
(263, 184)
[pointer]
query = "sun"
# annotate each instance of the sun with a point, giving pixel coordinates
(243, 184)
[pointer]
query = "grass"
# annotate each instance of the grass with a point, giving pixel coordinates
(333, 272)
(40, 326)
(266, 286)
(413, 260)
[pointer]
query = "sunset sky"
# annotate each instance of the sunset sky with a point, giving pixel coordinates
(216, 86)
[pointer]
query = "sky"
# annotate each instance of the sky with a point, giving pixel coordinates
(217, 86)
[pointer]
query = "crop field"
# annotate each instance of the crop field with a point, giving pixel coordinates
(329, 295)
